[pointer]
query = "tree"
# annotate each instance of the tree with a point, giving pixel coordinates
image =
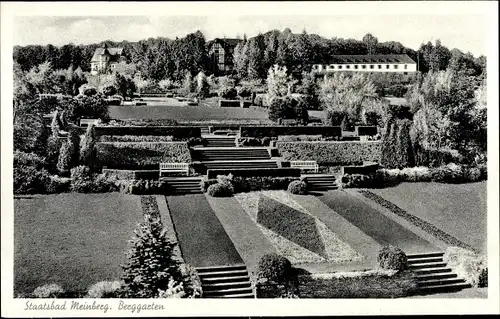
(139, 82)
(240, 59)
(188, 85)
(125, 86)
(301, 50)
(256, 67)
(278, 82)
(65, 157)
(202, 86)
(309, 89)
(150, 264)
(87, 149)
(371, 43)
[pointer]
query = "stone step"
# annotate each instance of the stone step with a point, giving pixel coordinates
(437, 282)
(221, 267)
(248, 295)
(225, 285)
(435, 270)
(436, 276)
(444, 288)
(428, 265)
(425, 255)
(226, 279)
(223, 274)
(425, 260)
(229, 291)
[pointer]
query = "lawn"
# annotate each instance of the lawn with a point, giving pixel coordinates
(202, 238)
(458, 209)
(74, 240)
(172, 109)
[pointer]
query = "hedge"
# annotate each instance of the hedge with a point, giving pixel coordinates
(275, 131)
(142, 155)
(131, 174)
(229, 103)
(251, 172)
(366, 130)
(367, 284)
(366, 168)
(177, 132)
(330, 152)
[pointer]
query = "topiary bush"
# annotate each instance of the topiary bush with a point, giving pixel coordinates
(297, 188)
(274, 268)
(221, 190)
(392, 258)
(48, 291)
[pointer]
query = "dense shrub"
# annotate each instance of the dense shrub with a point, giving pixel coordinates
(146, 187)
(301, 138)
(244, 91)
(84, 181)
(288, 107)
(135, 138)
(468, 265)
(251, 172)
(335, 117)
(276, 131)
(104, 289)
(297, 188)
(177, 132)
(64, 160)
(48, 291)
(207, 182)
(196, 141)
(192, 282)
(274, 268)
(392, 258)
(257, 183)
(87, 149)
(29, 175)
(330, 153)
(137, 155)
(254, 141)
(221, 190)
(261, 100)
(229, 93)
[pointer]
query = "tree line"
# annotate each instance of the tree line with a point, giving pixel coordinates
(169, 59)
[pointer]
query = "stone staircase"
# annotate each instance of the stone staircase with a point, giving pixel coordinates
(321, 183)
(239, 164)
(231, 153)
(220, 141)
(433, 275)
(226, 282)
(183, 185)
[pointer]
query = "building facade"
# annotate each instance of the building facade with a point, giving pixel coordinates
(221, 52)
(394, 63)
(105, 59)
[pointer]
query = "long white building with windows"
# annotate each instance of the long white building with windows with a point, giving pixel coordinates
(393, 63)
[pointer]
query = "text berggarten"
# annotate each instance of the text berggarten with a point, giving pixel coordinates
(133, 307)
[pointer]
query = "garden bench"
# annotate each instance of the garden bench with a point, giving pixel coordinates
(305, 165)
(174, 168)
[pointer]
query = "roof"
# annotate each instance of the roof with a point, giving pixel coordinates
(226, 42)
(114, 52)
(376, 58)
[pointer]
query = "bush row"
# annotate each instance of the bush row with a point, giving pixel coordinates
(131, 174)
(450, 173)
(365, 168)
(426, 226)
(254, 141)
(177, 132)
(251, 184)
(275, 131)
(330, 153)
(254, 172)
(468, 265)
(135, 138)
(140, 155)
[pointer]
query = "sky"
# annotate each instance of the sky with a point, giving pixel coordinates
(469, 33)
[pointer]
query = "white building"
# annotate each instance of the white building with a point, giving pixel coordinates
(393, 63)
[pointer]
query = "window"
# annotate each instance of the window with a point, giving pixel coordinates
(363, 66)
(332, 66)
(387, 66)
(347, 66)
(405, 73)
(356, 66)
(379, 66)
(406, 66)
(340, 67)
(315, 66)
(395, 66)
(372, 66)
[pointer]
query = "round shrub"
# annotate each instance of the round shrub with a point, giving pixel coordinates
(392, 258)
(81, 179)
(48, 291)
(483, 278)
(104, 289)
(297, 187)
(220, 190)
(275, 268)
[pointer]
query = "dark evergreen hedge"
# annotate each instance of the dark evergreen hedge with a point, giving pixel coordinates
(177, 132)
(275, 131)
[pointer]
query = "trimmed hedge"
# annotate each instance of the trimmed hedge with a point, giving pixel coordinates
(251, 184)
(177, 132)
(366, 168)
(141, 155)
(229, 103)
(251, 172)
(221, 190)
(366, 130)
(275, 131)
(330, 153)
(368, 284)
(135, 138)
(124, 174)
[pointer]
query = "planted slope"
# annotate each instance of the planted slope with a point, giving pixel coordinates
(290, 223)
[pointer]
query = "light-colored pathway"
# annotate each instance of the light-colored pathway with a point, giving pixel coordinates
(248, 239)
